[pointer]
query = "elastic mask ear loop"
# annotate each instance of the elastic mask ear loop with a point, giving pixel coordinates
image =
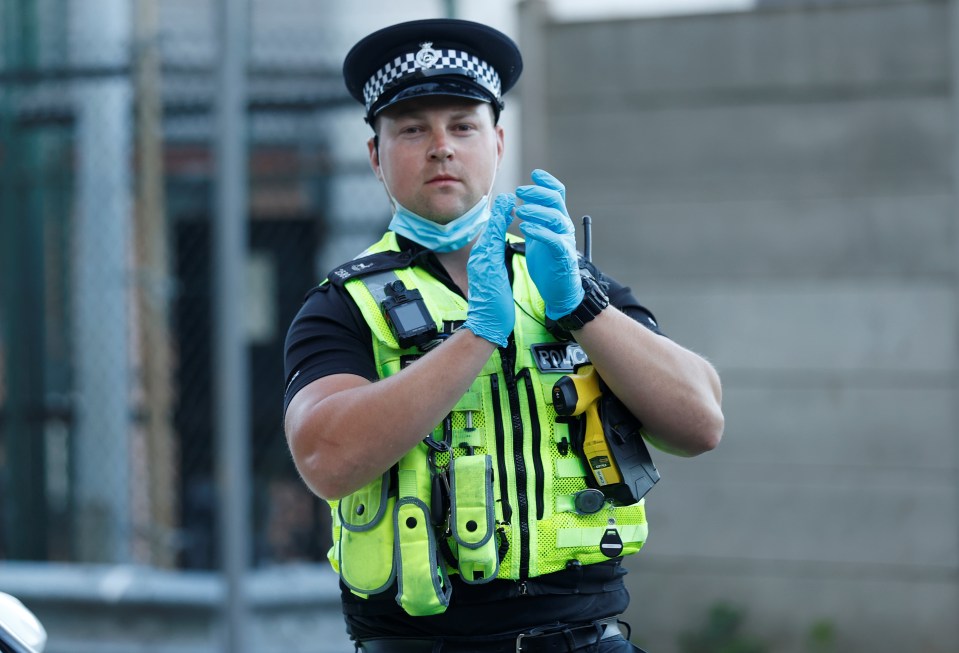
(382, 176)
(393, 203)
(489, 191)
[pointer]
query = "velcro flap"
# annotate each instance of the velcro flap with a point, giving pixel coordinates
(364, 509)
(588, 537)
(471, 401)
(472, 518)
(366, 555)
(423, 587)
(471, 486)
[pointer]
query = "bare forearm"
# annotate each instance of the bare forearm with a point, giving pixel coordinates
(348, 431)
(675, 392)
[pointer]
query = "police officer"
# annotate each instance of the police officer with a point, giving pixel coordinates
(419, 376)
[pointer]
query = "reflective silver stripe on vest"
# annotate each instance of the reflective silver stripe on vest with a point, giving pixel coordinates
(376, 284)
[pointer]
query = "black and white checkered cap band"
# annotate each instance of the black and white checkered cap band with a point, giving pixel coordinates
(407, 64)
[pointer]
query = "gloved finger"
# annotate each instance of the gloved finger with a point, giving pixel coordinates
(542, 196)
(559, 248)
(542, 178)
(502, 210)
(501, 215)
(550, 218)
(493, 240)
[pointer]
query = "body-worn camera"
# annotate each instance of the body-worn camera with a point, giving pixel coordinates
(407, 315)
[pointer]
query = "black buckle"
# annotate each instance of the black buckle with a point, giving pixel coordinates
(576, 636)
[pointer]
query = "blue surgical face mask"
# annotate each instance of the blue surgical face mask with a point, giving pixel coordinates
(441, 237)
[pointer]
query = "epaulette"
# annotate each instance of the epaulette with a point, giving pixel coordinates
(360, 267)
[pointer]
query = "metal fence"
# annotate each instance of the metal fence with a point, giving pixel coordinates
(106, 201)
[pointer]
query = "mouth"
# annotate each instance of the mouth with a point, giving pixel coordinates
(442, 179)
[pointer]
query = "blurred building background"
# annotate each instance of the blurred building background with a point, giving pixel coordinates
(776, 180)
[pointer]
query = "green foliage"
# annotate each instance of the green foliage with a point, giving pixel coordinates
(821, 637)
(721, 634)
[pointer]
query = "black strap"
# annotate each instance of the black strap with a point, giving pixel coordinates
(365, 265)
(547, 639)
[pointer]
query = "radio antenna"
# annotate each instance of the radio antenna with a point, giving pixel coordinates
(588, 238)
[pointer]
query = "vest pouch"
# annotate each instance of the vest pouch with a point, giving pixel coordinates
(472, 519)
(366, 537)
(423, 587)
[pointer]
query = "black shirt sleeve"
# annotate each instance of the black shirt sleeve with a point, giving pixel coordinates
(622, 298)
(329, 335)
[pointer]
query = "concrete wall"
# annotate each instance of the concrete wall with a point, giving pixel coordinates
(779, 187)
(133, 609)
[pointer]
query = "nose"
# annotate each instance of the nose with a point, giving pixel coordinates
(440, 147)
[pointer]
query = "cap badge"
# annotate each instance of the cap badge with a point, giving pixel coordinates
(427, 56)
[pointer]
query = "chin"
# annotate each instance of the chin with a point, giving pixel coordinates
(443, 215)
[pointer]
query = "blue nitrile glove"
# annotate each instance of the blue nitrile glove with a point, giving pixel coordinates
(550, 244)
(490, 312)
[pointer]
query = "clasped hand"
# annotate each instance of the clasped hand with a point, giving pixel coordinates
(550, 257)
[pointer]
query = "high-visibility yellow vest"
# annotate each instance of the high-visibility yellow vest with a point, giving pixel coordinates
(511, 472)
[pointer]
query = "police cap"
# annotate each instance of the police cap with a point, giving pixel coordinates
(440, 56)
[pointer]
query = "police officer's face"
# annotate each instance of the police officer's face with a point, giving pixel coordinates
(437, 155)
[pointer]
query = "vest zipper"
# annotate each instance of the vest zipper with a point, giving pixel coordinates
(537, 444)
(500, 449)
(508, 358)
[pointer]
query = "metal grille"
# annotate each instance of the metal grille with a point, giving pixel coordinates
(106, 371)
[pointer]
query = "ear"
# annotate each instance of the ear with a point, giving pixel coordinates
(374, 154)
(500, 143)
